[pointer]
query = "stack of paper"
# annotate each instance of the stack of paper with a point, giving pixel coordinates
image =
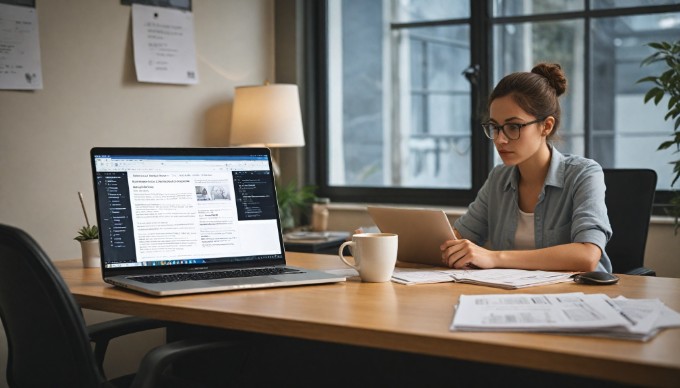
(501, 278)
(575, 313)
(411, 276)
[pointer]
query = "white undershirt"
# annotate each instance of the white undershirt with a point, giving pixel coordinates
(524, 235)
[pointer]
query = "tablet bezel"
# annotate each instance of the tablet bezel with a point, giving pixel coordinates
(421, 231)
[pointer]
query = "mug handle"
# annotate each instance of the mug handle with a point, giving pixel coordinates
(352, 245)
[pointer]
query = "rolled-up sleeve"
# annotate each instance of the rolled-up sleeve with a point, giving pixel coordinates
(590, 222)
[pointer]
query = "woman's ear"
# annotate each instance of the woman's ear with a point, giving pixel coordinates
(548, 125)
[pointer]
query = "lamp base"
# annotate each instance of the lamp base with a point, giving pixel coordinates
(276, 170)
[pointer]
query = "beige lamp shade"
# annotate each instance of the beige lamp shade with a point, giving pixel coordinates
(267, 115)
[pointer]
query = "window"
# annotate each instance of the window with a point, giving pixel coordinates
(405, 84)
(626, 133)
(405, 108)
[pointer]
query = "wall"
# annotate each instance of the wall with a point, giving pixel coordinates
(663, 248)
(90, 98)
(661, 254)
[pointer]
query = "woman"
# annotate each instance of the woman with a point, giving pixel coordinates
(540, 209)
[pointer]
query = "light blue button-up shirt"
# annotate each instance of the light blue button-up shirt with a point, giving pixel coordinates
(570, 207)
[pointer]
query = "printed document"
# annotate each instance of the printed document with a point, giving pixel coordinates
(573, 313)
(501, 278)
(20, 66)
(164, 47)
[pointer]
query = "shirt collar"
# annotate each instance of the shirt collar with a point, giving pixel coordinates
(555, 176)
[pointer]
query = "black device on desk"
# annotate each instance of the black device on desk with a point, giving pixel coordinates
(314, 242)
(597, 278)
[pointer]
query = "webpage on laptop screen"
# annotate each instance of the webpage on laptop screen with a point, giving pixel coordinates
(161, 210)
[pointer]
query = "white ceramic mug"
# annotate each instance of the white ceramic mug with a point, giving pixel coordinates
(375, 255)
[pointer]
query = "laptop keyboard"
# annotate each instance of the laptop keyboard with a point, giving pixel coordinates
(234, 273)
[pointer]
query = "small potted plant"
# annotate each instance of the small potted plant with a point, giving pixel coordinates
(292, 200)
(88, 236)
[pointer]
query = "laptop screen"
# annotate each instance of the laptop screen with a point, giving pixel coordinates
(163, 207)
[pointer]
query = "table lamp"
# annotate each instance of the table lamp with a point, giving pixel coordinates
(267, 115)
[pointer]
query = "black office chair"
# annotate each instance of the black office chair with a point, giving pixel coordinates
(629, 198)
(48, 342)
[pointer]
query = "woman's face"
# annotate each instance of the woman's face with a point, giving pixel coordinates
(504, 110)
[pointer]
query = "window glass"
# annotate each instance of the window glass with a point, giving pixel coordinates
(437, 135)
(626, 132)
(534, 7)
(428, 10)
(356, 90)
(399, 107)
(601, 4)
(520, 46)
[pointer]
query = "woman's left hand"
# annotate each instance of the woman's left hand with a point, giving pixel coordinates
(466, 254)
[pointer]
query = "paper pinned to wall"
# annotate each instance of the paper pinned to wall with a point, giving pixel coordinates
(20, 66)
(164, 47)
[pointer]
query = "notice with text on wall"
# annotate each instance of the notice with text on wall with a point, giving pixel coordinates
(164, 46)
(20, 65)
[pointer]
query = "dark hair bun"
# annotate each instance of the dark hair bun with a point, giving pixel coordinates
(554, 74)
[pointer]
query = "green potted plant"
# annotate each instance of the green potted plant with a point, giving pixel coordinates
(88, 232)
(667, 84)
(292, 202)
(88, 236)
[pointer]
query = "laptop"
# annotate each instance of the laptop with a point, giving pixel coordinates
(189, 220)
(421, 232)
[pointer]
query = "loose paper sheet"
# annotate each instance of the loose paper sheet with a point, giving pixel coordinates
(501, 278)
(20, 66)
(572, 313)
(164, 45)
(529, 312)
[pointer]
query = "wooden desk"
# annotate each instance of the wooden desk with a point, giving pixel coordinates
(405, 318)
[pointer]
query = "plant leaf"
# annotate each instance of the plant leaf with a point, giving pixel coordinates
(657, 45)
(652, 93)
(673, 101)
(87, 233)
(650, 59)
(658, 97)
(647, 79)
(676, 170)
(665, 145)
(667, 75)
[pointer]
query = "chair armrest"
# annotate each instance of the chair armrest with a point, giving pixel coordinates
(102, 333)
(155, 362)
(122, 326)
(641, 271)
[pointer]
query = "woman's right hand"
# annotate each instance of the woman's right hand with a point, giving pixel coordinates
(463, 253)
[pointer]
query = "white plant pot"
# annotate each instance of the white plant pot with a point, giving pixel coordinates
(90, 249)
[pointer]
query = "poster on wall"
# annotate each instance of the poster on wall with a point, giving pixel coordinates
(164, 48)
(20, 65)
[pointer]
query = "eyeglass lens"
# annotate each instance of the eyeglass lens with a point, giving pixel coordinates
(511, 131)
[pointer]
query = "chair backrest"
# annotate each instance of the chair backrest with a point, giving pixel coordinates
(629, 198)
(48, 345)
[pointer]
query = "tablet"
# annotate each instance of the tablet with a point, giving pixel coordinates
(421, 232)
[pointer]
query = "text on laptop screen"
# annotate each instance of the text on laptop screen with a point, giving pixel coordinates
(174, 210)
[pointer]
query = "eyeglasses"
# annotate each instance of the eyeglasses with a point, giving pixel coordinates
(510, 130)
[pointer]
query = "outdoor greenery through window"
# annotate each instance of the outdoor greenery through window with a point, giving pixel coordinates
(406, 85)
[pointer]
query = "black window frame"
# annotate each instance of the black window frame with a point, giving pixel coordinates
(481, 24)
